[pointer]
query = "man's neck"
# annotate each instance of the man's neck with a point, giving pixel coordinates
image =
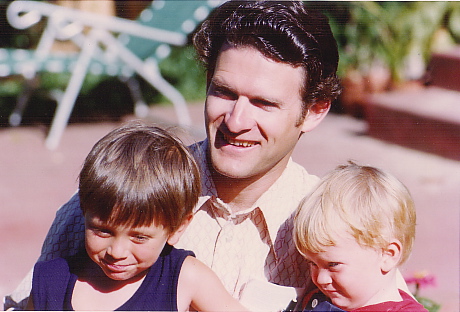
(241, 194)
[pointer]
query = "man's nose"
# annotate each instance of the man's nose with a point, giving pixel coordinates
(240, 117)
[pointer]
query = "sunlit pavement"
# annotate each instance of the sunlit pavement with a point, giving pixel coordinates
(34, 182)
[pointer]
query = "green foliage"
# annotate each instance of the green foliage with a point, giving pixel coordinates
(429, 304)
(182, 70)
(185, 72)
(9, 87)
(394, 34)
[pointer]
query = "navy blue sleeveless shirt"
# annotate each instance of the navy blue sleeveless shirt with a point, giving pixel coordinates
(54, 280)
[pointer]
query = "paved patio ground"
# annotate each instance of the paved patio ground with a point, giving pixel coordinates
(34, 182)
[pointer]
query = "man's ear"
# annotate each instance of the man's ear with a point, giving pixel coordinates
(315, 115)
(391, 255)
(174, 237)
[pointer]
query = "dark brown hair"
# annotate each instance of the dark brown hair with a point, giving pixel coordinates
(285, 31)
(138, 175)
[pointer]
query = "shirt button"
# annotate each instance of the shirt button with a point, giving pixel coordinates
(229, 236)
(228, 231)
(314, 303)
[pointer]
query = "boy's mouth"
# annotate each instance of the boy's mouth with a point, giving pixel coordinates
(116, 268)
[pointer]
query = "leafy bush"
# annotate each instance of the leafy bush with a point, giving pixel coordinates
(398, 35)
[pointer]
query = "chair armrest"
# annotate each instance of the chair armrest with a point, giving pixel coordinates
(22, 14)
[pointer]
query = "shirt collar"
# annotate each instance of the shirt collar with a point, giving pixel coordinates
(277, 204)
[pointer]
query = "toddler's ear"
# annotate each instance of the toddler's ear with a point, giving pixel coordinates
(391, 255)
(174, 237)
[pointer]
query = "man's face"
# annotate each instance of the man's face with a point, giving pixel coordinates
(252, 110)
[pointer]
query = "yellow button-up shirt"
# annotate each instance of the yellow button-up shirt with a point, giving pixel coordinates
(255, 243)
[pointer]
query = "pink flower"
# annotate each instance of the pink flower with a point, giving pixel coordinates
(421, 279)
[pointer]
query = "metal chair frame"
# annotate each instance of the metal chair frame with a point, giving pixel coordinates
(100, 38)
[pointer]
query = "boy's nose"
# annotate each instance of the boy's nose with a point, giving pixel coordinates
(323, 277)
(118, 249)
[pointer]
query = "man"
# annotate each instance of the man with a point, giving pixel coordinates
(271, 77)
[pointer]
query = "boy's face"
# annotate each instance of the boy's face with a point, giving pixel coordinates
(252, 111)
(350, 275)
(123, 253)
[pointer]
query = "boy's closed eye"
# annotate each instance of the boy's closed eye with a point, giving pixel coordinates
(334, 265)
(102, 232)
(140, 239)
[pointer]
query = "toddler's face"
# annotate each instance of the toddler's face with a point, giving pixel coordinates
(123, 253)
(350, 275)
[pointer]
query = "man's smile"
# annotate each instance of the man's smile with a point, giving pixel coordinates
(239, 143)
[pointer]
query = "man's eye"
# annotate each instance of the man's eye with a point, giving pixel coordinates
(333, 264)
(222, 93)
(266, 105)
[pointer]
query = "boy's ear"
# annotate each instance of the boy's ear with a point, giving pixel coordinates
(315, 115)
(174, 237)
(391, 255)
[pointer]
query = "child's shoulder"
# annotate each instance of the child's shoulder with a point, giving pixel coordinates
(172, 260)
(408, 304)
(317, 301)
(194, 273)
(174, 257)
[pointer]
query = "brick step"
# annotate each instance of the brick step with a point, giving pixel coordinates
(444, 70)
(427, 119)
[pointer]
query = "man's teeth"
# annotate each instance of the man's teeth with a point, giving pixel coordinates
(239, 143)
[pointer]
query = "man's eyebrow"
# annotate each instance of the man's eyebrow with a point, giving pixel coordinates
(218, 83)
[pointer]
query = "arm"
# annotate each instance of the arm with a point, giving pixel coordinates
(200, 288)
(67, 233)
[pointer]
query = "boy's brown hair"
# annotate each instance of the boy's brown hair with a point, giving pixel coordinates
(138, 175)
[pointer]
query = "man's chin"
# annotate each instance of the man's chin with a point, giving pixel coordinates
(227, 172)
(230, 169)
